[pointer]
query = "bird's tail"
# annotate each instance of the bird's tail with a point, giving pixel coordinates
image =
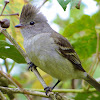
(93, 82)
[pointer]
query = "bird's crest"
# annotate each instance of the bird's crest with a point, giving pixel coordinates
(29, 11)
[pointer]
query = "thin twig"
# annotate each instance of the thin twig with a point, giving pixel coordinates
(35, 92)
(68, 90)
(6, 2)
(13, 81)
(2, 97)
(12, 40)
(6, 65)
(13, 64)
(78, 5)
(17, 46)
(43, 2)
(17, 90)
(32, 92)
(10, 14)
(9, 78)
(39, 77)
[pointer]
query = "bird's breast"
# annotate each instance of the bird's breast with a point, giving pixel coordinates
(41, 50)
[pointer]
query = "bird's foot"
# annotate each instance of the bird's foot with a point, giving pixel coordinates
(48, 89)
(31, 65)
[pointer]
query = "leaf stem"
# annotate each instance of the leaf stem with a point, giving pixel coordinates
(13, 64)
(6, 65)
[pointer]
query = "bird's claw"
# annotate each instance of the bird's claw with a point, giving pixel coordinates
(48, 89)
(31, 65)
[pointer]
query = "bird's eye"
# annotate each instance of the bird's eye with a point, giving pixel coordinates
(32, 23)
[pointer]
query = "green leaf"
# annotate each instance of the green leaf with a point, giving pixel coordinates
(9, 51)
(84, 23)
(97, 1)
(96, 18)
(63, 3)
(86, 46)
(2, 37)
(74, 3)
(88, 96)
(82, 36)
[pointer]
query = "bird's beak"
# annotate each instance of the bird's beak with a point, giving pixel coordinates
(19, 26)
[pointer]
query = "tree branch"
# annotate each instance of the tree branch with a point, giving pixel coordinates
(10, 14)
(17, 90)
(14, 82)
(6, 2)
(12, 40)
(9, 78)
(53, 96)
(2, 97)
(69, 90)
(39, 92)
(6, 65)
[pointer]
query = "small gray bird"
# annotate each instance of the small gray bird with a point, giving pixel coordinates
(49, 50)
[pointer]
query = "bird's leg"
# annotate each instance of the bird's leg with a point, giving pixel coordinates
(49, 89)
(31, 65)
(33, 68)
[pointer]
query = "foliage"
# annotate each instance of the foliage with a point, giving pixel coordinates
(74, 3)
(84, 35)
(9, 51)
(88, 96)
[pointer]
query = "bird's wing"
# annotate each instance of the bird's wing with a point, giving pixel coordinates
(67, 51)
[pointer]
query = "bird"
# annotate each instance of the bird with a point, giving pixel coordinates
(49, 50)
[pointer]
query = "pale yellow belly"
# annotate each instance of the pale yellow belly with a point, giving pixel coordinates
(44, 55)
